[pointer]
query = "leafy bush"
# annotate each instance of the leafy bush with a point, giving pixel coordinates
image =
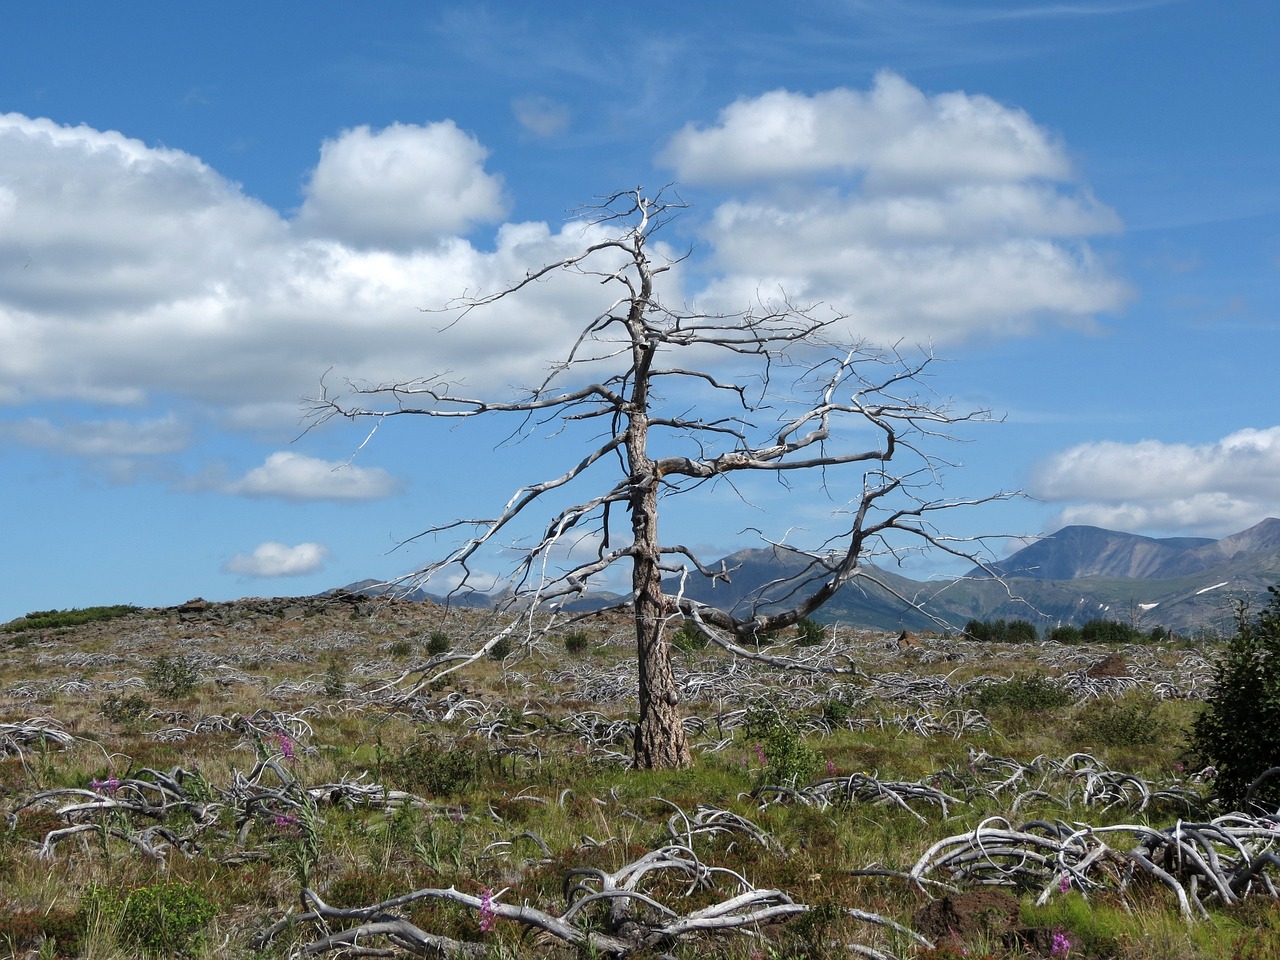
(688, 638)
(430, 766)
(1110, 631)
(172, 677)
(1236, 733)
(438, 643)
(842, 703)
(810, 633)
(1127, 721)
(164, 919)
(401, 648)
(576, 642)
(125, 710)
(1001, 631)
(1034, 691)
(25, 931)
(501, 650)
(42, 619)
(761, 638)
(335, 677)
(1066, 633)
(782, 749)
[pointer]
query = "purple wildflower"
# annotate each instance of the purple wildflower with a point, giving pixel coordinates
(108, 786)
(488, 918)
(285, 743)
(285, 822)
(760, 754)
(831, 767)
(1061, 946)
(1065, 883)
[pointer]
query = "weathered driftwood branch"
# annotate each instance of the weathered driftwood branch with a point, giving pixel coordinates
(1230, 857)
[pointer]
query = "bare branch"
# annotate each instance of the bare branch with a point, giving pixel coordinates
(770, 391)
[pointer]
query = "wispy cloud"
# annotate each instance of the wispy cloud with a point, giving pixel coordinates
(101, 438)
(541, 116)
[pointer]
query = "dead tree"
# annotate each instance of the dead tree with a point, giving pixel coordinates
(772, 390)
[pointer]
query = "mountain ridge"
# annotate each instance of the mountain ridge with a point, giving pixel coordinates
(1078, 573)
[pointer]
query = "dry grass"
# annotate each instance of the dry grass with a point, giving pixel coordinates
(512, 778)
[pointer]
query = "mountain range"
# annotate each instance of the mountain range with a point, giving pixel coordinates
(1079, 573)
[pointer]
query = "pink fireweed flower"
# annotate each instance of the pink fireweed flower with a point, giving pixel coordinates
(760, 754)
(1065, 883)
(488, 918)
(285, 743)
(1061, 946)
(831, 767)
(285, 822)
(108, 786)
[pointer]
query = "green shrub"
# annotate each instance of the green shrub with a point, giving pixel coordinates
(125, 710)
(1020, 631)
(1110, 631)
(1001, 631)
(576, 642)
(810, 633)
(42, 619)
(172, 677)
(429, 765)
(335, 677)
(24, 931)
(401, 648)
(1066, 633)
(787, 759)
(163, 920)
(438, 643)
(688, 638)
(1236, 733)
(1034, 691)
(501, 650)
(841, 706)
(1127, 721)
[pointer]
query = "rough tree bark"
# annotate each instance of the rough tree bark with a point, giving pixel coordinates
(741, 424)
(660, 740)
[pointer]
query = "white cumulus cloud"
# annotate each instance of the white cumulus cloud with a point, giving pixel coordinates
(130, 272)
(294, 476)
(138, 275)
(1213, 488)
(894, 134)
(920, 217)
(274, 559)
(400, 187)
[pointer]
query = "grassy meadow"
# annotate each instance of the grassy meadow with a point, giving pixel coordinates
(275, 779)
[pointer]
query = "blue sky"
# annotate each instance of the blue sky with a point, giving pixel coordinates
(202, 210)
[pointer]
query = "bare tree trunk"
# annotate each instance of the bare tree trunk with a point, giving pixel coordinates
(660, 741)
(660, 738)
